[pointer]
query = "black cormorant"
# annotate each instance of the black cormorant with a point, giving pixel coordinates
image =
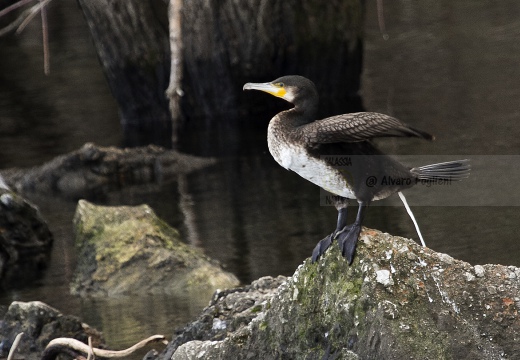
(314, 149)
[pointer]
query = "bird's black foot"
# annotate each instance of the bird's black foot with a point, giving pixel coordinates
(347, 241)
(321, 247)
(324, 243)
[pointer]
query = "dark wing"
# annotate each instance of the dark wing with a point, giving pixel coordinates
(358, 127)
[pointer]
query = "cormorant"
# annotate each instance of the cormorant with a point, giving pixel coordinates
(314, 148)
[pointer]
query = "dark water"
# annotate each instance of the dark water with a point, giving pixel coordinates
(448, 68)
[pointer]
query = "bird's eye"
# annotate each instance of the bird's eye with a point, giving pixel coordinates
(280, 84)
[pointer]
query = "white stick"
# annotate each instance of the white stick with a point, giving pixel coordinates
(409, 211)
(14, 346)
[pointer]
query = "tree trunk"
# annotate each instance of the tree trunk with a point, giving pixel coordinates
(217, 46)
(131, 38)
(230, 42)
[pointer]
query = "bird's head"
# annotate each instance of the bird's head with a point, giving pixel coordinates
(295, 89)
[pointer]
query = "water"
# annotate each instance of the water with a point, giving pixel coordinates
(447, 68)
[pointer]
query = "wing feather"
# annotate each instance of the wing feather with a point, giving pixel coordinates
(358, 127)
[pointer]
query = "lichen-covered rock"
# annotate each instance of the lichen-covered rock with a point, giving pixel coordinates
(398, 300)
(129, 250)
(39, 323)
(25, 240)
(228, 311)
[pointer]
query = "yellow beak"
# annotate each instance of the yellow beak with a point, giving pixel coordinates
(270, 88)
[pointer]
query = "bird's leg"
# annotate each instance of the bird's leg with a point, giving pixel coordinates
(324, 243)
(348, 238)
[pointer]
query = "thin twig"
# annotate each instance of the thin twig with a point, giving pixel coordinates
(45, 40)
(15, 345)
(15, 6)
(90, 349)
(34, 10)
(24, 19)
(16, 23)
(381, 19)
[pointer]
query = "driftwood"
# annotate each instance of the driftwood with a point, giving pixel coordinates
(76, 347)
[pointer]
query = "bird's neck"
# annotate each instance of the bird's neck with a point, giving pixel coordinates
(291, 119)
(304, 112)
(288, 122)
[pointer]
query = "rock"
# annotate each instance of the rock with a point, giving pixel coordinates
(25, 240)
(40, 323)
(93, 171)
(129, 250)
(431, 309)
(229, 311)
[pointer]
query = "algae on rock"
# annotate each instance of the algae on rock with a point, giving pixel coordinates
(398, 300)
(129, 250)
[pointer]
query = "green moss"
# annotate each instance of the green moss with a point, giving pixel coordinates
(263, 326)
(120, 234)
(256, 309)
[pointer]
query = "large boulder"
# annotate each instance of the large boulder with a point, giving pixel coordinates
(25, 240)
(129, 250)
(39, 323)
(398, 300)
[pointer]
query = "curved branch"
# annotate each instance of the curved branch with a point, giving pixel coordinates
(56, 346)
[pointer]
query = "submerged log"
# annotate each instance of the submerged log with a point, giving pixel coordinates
(93, 171)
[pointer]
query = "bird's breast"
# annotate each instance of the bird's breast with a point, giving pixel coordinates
(294, 156)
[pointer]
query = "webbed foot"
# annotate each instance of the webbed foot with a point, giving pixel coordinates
(321, 247)
(347, 241)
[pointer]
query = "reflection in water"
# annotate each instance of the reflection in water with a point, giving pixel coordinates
(447, 68)
(45, 116)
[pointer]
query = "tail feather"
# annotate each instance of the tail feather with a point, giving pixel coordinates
(419, 133)
(450, 170)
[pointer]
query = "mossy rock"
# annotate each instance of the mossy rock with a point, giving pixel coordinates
(129, 250)
(397, 300)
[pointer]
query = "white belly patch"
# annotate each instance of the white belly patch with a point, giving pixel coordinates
(315, 170)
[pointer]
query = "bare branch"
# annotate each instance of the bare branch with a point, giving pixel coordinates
(174, 91)
(16, 23)
(15, 6)
(45, 40)
(381, 19)
(59, 345)
(32, 13)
